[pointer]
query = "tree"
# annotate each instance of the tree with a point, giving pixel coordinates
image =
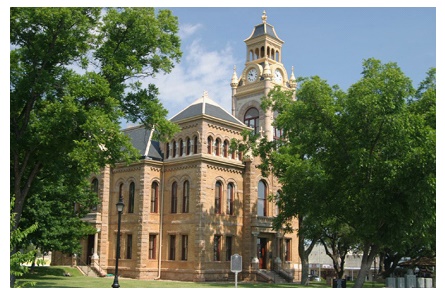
(75, 73)
(361, 157)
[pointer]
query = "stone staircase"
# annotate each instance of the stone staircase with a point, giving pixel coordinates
(87, 271)
(271, 277)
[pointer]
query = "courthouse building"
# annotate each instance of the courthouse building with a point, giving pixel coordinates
(190, 203)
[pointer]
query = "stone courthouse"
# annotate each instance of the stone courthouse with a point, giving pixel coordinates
(190, 203)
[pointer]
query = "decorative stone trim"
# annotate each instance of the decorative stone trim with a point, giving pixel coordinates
(224, 169)
(221, 128)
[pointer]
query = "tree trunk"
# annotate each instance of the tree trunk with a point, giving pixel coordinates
(369, 252)
(304, 253)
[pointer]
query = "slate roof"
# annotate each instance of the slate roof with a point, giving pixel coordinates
(140, 138)
(206, 106)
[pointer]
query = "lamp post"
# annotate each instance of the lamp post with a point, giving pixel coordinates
(120, 207)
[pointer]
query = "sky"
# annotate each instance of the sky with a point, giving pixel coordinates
(329, 42)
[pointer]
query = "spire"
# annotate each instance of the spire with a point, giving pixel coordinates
(264, 16)
(292, 79)
(234, 82)
(267, 74)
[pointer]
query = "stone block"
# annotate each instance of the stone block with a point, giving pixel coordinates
(390, 282)
(410, 281)
(400, 282)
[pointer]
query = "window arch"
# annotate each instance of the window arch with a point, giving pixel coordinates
(154, 197)
(181, 147)
(218, 147)
(174, 199)
(262, 199)
(185, 197)
(188, 148)
(252, 119)
(226, 148)
(174, 149)
(218, 194)
(230, 198)
(95, 190)
(131, 198)
(167, 150)
(209, 145)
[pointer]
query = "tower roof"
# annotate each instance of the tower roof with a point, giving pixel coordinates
(263, 29)
(206, 106)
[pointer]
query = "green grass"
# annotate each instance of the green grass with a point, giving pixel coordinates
(53, 277)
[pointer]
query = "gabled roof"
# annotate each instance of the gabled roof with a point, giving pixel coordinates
(141, 140)
(206, 106)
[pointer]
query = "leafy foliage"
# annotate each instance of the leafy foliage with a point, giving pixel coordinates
(75, 74)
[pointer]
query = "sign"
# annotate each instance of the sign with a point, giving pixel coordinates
(236, 263)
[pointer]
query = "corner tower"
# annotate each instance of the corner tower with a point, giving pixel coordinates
(262, 71)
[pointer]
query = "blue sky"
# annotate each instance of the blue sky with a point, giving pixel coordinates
(328, 42)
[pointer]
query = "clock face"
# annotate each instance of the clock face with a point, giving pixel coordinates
(252, 75)
(278, 78)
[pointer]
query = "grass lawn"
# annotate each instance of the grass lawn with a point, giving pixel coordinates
(53, 277)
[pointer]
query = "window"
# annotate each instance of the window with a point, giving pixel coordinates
(131, 198)
(181, 148)
(154, 197)
(277, 133)
(129, 245)
(121, 190)
(185, 196)
(184, 247)
(95, 190)
(218, 193)
(209, 145)
(287, 251)
(195, 145)
(230, 198)
(252, 119)
(218, 147)
(228, 247)
(217, 248)
(152, 247)
(167, 150)
(188, 149)
(174, 200)
(226, 148)
(262, 199)
(174, 149)
(172, 248)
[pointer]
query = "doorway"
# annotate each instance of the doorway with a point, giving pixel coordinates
(262, 252)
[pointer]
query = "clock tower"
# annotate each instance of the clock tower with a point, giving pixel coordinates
(262, 71)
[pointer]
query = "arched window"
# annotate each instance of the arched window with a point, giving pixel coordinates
(121, 191)
(188, 149)
(154, 197)
(174, 149)
(230, 198)
(185, 196)
(181, 147)
(209, 145)
(131, 198)
(174, 200)
(218, 147)
(218, 194)
(262, 199)
(167, 151)
(252, 119)
(226, 148)
(95, 190)
(195, 145)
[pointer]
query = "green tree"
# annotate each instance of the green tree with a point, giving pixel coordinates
(75, 74)
(362, 158)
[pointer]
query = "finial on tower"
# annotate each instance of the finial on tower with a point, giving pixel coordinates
(234, 81)
(264, 17)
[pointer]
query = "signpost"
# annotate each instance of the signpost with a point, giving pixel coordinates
(236, 265)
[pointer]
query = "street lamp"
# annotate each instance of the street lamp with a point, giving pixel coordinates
(120, 207)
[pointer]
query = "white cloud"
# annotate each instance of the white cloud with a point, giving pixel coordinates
(200, 70)
(187, 30)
